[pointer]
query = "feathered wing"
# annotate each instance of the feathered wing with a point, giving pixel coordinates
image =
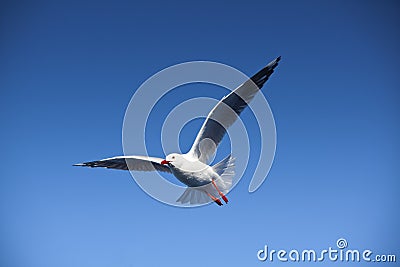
(133, 163)
(225, 113)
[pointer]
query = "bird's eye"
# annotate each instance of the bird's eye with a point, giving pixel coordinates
(173, 157)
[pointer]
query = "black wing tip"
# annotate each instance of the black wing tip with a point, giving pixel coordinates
(262, 76)
(85, 164)
(272, 65)
(110, 164)
(78, 164)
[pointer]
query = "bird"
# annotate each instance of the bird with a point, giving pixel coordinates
(205, 183)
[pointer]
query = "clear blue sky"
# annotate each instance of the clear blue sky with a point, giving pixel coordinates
(68, 70)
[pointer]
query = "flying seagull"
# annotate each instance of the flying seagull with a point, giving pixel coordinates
(204, 182)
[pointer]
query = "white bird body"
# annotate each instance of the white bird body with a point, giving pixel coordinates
(190, 171)
(204, 182)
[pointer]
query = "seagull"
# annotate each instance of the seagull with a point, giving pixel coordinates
(205, 183)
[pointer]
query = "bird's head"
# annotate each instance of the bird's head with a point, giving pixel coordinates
(172, 159)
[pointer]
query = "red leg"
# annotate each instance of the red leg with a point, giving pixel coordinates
(216, 200)
(219, 192)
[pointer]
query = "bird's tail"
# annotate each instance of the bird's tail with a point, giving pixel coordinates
(194, 195)
(199, 195)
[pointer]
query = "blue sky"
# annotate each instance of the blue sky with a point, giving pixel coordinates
(69, 69)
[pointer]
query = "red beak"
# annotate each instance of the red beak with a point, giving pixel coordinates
(165, 162)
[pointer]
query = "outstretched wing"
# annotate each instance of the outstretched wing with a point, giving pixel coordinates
(132, 163)
(225, 113)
